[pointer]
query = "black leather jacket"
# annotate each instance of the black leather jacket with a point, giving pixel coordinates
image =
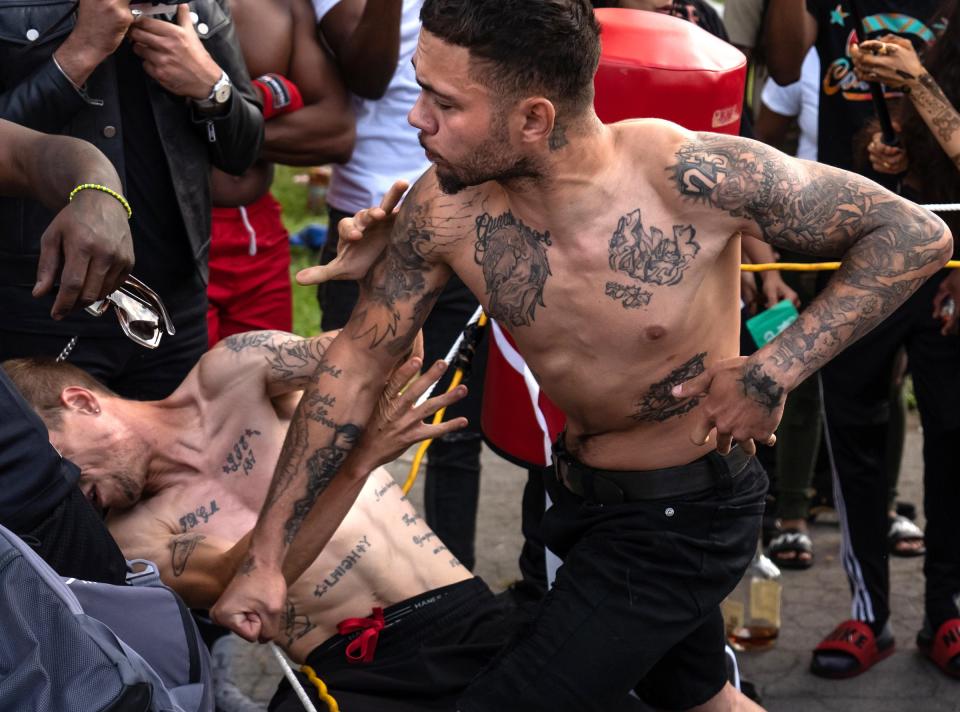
(35, 93)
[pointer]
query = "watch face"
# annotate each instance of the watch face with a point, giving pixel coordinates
(222, 95)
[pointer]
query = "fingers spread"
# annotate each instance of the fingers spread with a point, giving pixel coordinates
(423, 384)
(444, 400)
(402, 376)
(451, 426)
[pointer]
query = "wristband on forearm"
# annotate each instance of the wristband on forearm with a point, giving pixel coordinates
(103, 189)
(280, 95)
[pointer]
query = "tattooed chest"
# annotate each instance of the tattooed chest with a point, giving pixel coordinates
(630, 261)
(241, 458)
(642, 256)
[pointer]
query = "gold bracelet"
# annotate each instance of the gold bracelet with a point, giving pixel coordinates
(103, 189)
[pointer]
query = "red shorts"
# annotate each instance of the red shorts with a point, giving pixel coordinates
(249, 270)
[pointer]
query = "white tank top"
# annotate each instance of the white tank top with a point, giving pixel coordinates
(387, 148)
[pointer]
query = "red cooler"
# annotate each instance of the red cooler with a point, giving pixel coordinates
(651, 66)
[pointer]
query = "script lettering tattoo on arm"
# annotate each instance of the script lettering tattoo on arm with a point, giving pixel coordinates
(295, 624)
(649, 257)
(181, 547)
(321, 468)
(513, 258)
(659, 404)
(889, 246)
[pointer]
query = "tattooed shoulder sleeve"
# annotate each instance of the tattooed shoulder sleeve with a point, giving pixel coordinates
(400, 289)
(798, 205)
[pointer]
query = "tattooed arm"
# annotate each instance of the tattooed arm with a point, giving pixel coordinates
(197, 566)
(395, 298)
(285, 362)
(894, 62)
(889, 247)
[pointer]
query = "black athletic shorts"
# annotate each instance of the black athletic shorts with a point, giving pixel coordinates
(635, 605)
(430, 649)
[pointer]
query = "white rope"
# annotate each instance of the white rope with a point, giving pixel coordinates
(451, 354)
(292, 678)
(942, 207)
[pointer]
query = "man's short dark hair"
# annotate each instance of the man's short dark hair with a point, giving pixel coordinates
(521, 47)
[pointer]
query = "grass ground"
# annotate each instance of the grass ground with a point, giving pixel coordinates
(293, 195)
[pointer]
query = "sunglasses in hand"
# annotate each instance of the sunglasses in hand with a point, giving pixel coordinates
(139, 310)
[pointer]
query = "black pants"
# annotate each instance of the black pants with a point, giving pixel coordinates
(431, 648)
(452, 485)
(128, 369)
(856, 397)
(636, 599)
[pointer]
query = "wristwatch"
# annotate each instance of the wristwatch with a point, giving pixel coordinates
(219, 95)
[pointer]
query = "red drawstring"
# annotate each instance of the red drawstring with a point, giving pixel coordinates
(362, 647)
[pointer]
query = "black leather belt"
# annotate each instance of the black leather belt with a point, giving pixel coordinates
(618, 486)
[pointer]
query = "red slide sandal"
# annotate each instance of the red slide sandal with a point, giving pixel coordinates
(944, 648)
(849, 650)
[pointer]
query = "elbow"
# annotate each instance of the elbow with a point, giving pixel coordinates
(367, 86)
(342, 143)
(238, 162)
(332, 147)
(946, 246)
(783, 73)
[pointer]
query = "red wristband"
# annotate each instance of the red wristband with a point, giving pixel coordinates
(280, 95)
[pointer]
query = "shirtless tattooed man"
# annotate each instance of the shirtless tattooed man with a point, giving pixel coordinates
(184, 478)
(611, 254)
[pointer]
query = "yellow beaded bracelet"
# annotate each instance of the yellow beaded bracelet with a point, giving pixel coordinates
(103, 189)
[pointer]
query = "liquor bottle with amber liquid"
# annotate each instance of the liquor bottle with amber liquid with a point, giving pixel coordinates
(751, 613)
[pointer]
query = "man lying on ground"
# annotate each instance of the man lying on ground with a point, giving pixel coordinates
(184, 478)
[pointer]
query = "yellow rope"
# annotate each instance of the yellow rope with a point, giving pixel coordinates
(809, 267)
(321, 688)
(422, 450)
